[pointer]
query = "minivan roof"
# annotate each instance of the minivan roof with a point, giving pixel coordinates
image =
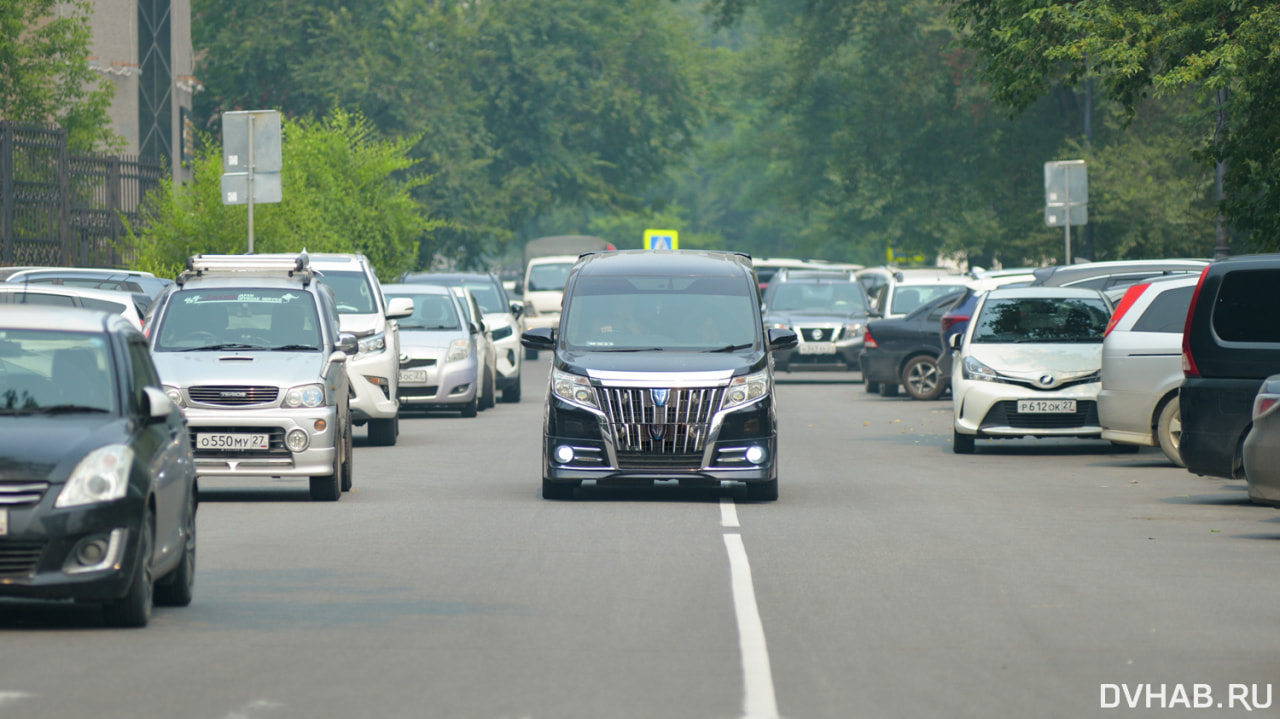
(705, 263)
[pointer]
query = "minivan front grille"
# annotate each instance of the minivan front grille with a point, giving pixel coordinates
(643, 420)
(233, 396)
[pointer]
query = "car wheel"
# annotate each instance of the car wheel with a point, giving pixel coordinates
(1169, 431)
(382, 432)
(328, 487)
(134, 608)
(174, 590)
(488, 401)
(921, 380)
(348, 459)
(870, 387)
(557, 490)
(962, 443)
(888, 390)
(763, 491)
(511, 394)
(471, 408)
(530, 354)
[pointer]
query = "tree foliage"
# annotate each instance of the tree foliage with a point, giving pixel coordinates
(344, 190)
(45, 75)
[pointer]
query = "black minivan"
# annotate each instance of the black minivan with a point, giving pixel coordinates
(661, 371)
(1230, 344)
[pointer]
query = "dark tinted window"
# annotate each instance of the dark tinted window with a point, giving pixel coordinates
(94, 303)
(649, 313)
(37, 298)
(1167, 312)
(1245, 310)
(144, 373)
(1050, 319)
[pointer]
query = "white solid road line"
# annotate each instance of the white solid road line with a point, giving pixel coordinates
(10, 697)
(759, 701)
(728, 513)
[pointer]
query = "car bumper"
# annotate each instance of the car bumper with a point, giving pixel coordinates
(878, 366)
(1215, 415)
(510, 355)
(278, 461)
(988, 409)
(41, 544)
(441, 387)
(371, 379)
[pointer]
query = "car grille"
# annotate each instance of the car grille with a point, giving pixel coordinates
(659, 462)
(817, 334)
(429, 391)
(14, 493)
(677, 427)
(233, 396)
(416, 363)
(1005, 414)
(275, 441)
(19, 559)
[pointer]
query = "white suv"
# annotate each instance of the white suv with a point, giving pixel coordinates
(375, 369)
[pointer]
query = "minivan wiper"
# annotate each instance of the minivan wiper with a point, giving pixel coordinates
(223, 346)
(627, 349)
(66, 409)
(731, 348)
(293, 348)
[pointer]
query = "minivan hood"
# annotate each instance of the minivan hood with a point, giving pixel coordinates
(278, 369)
(31, 446)
(581, 363)
(1066, 359)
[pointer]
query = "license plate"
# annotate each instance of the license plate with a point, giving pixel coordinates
(1046, 406)
(413, 375)
(4, 522)
(232, 441)
(818, 348)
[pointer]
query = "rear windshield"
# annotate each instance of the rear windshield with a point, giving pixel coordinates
(661, 313)
(837, 297)
(1042, 320)
(544, 278)
(430, 312)
(239, 319)
(1245, 310)
(55, 372)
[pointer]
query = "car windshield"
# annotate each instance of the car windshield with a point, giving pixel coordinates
(661, 313)
(352, 290)
(844, 298)
(1047, 319)
(487, 295)
(908, 297)
(549, 277)
(430, 312)
(245, 318)
(53, 372)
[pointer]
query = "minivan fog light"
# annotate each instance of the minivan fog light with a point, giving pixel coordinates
(564, 454)
(297, 440)
(756, 454)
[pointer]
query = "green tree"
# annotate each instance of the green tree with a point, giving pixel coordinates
(45, 75)
(344, 190)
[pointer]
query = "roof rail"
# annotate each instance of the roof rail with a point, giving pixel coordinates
(199, 265)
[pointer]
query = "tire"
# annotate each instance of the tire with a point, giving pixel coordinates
(1169, 431)
(134, 608)
(1122, 448)
(888, 390)
(530, 354)
(921, 379)
(328, 487)
(348, 459)
(511, 395)
(763, 491)
(382, 432)
(870, 386)
(174, 589)
(557, 490)
(471, 408)
(962, 443)
(488, 402)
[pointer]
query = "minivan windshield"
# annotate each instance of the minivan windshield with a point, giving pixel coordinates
(612, 314)
(240, 318)
(1049, 319)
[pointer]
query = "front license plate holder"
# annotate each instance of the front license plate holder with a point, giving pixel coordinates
(817, 348)
(413, 375)
(1046, 406)
(232, 441)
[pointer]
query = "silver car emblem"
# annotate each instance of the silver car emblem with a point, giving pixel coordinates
(816, 334)
(659, 396)
(1046, 379)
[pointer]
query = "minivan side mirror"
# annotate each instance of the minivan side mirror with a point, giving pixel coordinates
(399, 307)
(782, 339)
(539, 338)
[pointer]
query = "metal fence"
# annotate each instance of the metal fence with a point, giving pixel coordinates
(57, 208)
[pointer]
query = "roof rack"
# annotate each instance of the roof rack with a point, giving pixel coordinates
(199, 265)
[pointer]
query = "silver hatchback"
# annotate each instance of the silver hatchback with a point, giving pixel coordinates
(439, 365)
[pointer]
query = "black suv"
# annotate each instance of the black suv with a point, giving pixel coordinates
(1230, 344)
(661, 371)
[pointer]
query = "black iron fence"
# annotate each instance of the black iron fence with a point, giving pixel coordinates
(57, 208)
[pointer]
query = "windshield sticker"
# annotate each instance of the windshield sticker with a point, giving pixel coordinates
(241, 297)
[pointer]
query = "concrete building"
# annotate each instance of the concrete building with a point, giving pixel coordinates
(144, 47)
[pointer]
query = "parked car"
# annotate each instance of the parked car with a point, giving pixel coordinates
(1230, 344)
(1028, 365)
(503, 317)
(896, 292)
(1118, 273)
(1142, 365)
(905, 350)
(482, 336)
(956, 319)
(661, 371)
(1261, 450)
(250, 346)
(374, 371)
(97, 278)
(439, 364)
(98, 492)
(128, 305)
(768, 267)
(828, 312)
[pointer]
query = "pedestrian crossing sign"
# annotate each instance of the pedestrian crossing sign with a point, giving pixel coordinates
(661, 240)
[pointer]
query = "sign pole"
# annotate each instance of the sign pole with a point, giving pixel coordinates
(1066, 225)
(251, 170)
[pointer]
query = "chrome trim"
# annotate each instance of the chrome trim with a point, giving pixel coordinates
(671, 380)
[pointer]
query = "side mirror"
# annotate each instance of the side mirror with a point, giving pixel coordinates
(399, 307)
(956, 340)
(517, 309)
(539, 338)
(347, 343)
(781, 339)
(472, 328)
(483, 327)
(159, 406)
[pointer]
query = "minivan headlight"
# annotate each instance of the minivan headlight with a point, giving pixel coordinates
(307, 395)
(175, 395)
(373, 343)
(458, 350)
(102, 476)
(745, 389)
(573, 388)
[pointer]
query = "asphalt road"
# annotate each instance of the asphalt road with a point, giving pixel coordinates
(892, 579)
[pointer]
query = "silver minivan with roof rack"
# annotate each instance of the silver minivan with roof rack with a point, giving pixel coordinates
(249, 346)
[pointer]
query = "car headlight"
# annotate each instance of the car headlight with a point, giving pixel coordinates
(458, 350)
(745, 389)
(973, 369)
(573, 388)
(175, 395)
(853, 331)
(307, 395)
(778, 326)
(372, 344)
(102, 476)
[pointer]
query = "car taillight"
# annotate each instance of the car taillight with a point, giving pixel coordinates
(1264, 402)
(1189, 367)
(949, 321)
(869, 341)
(1130, 297)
